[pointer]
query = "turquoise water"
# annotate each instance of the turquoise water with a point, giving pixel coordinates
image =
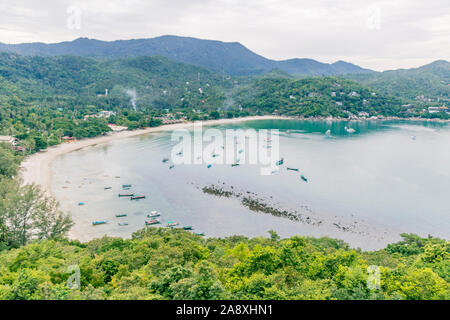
(384, 179)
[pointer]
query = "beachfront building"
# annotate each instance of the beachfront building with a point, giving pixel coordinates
(8, 139)
(437, 109)
(68, 139)
(117, 128)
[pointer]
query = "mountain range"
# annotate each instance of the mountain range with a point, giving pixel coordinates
(224, 57)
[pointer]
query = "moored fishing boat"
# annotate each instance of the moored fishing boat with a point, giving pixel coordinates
(188, 228)
(81, 203)
(165, 160)
(152, 221)
(126, 186)
(126, 195)
(200, 233)
(122, 224)
(304, 178)
(154, 214)
(292, 169)
(137, 197)
(172, 166)
(171, 224)
(120, 215)
(235, 164)
(107, 188)
(96, 223)
(280, 162)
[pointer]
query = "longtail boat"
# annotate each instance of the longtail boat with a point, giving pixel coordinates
(122, 224)
(126, 186)
(209, 166)
(172, 166)
(165, 160)
(154, 214)
(153, 221)
(188, 228)
(172, 224)
(235, 164)
(200, 233)
(304, 178)
(120, 215)
(292, 169)
(107, 188)
(96, 223)
(126, 195)
(137, 197)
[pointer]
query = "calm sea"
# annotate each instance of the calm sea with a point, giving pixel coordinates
(383, 179)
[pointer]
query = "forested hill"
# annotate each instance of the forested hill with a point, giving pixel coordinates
(224, 57)
(172, 264)
(431, 81)
(318, 96)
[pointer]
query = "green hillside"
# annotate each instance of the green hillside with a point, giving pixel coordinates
(170, 264)
(317, 96)
(431, 81)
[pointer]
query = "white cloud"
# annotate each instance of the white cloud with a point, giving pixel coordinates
(376, 34)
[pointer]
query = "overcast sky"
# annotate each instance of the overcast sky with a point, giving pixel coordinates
(379, 35)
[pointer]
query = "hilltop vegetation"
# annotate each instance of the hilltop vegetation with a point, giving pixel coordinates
(427, 85)
(318, 96)
(160, 263)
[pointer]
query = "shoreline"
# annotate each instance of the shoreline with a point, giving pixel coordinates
(36, 168)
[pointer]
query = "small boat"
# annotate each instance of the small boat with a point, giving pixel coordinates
(165, 160)
(172, 166)
(280, 162)
(188, 228)
(137, 197)
(292, 169)
(304, 178)
(126, 186)
(240, 151)
(120, 215)
(96, 223)
(126, 195)
(200, 234)
(179, 153)
(151, 222)
(172, 224)
(209, 166)
(350, 130)
(215, 155)
(235, 164)
(81, 203)
(154, 214)
(122, 224)
(107, 188)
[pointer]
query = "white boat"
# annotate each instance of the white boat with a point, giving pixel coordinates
(154, 214)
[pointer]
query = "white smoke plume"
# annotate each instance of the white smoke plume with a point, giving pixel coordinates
(133, 97)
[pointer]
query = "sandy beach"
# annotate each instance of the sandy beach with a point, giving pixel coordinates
(36, 168)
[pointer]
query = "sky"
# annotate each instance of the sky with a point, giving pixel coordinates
(380, 35)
